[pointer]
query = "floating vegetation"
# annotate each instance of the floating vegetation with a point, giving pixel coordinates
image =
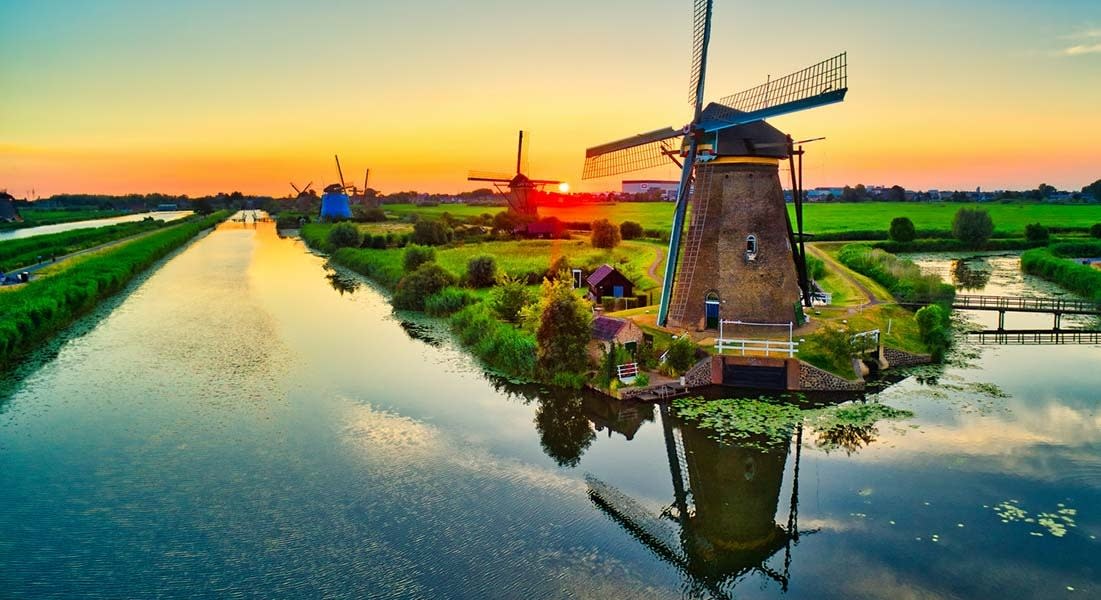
(1055, 523)
(765, 424)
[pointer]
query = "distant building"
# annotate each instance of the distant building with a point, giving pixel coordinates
(168, 206)
(606, 281)
(609, 330)
(642, 186)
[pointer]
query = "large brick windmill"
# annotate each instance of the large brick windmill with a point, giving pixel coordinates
(741, 259)
(519, 189)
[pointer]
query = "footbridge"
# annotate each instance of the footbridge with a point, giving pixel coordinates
(1057, 307)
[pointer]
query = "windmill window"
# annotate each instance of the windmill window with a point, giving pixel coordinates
(751, 247)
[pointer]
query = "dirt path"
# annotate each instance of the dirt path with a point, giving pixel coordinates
(652, 271)
(65, 257)
(844, 273)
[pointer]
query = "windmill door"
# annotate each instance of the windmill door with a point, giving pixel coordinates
(712, 313)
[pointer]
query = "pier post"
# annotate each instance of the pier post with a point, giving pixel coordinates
(1058, 318)
(1001, 320)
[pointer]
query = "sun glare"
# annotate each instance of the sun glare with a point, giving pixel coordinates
(564, 187)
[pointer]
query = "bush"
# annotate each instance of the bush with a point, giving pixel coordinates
(415, 287)
(630, 230)
(565, 328)
(509, 298)
(1095, 230)
(972, 226)
(368, 215)
(447, 301)
(604, 234)
(559, 266)
(344, 235)
(431, 233)
(902, 230)
(415, 256)
(501, 346)
(934, 325)
(656, 234)
(681, 354)
(481, 271)
(1035, 232)
(816, 268)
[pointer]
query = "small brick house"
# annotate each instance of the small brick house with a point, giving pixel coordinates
(607, 281)
(607, 330)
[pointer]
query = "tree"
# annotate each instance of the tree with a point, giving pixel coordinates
(559, 269)
(415, 256)
(344, 235)
(897, 193)
(565, 328)
(902, 230)
(1094, 190)
(972, 226)
(203, 207)
(509, 298)
(1036, 232)
(1046, 190)
(681, 354)
(605, 234)
(427, 280)
(431, 233)
(630, 230)
(481, 271)
(564, 431)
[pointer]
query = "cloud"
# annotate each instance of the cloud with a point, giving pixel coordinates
(1081, 49)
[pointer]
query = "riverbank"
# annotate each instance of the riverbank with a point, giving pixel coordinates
(33, 312)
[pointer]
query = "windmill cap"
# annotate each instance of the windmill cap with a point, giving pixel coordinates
(750, 139)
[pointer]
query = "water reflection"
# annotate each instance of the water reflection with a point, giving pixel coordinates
(564, 430)
(971, 274)
(341, 282)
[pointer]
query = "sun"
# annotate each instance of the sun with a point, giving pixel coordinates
(564, 187)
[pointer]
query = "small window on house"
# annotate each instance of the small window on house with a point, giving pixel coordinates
(751, 246)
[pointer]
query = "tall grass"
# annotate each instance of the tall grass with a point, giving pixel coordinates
(34, 312)
(1078, 278)
(23, 252)
(501, 346)
(901, 277)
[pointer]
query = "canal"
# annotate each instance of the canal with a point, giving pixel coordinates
(26, 232)
(245, 421)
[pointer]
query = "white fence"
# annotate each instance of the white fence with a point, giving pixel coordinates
(769, 347)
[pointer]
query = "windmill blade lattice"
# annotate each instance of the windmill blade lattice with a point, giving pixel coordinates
(701, 30)
(635, 153)
(818, 84)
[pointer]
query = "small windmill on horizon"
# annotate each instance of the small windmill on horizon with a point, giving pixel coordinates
(519, 189)
(742, 259)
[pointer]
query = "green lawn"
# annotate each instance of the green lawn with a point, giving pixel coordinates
(818, 218)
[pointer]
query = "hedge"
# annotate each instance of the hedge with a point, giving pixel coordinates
(1081, 279)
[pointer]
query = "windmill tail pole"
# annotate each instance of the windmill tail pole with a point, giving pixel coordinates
(674, 235)
(338, 170)
(366, 176)
(519, 151)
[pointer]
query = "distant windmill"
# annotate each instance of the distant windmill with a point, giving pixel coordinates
(304, 191)
(518, 189)
(741, 259)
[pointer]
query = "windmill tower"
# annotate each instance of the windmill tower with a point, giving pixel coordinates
(741, 259)
(519, 189)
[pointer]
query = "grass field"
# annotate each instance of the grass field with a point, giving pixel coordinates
(818, 218)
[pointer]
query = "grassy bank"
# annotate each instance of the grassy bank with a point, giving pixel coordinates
(1053, 263)
(35, 218)
(25, 251)
(32, 313)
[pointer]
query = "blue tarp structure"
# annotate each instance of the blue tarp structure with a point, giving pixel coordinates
(334, 205)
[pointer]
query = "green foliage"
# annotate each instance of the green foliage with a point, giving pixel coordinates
(415, 287)
(431, 233)
(565, 328)
(642, 380)
(481, 271)
(1035, 232)
(604, 234)
(344, 235)
(383, 266)
(290, 220)
(902, 230)
(503, 347)
(368, 215)
(415, 256)
(30, 314)
(630, 230)
(816, 268)
(1078, 278)
(934, 323)
(1093, 190)
(972, 226)
(23, 252)
(447, 301)
(509, 298)
(560, 268)
(1077, 249)
(681, 354)
(376, 242)
(901, 277)
(1095, 230)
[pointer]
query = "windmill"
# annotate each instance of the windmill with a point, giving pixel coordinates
(518, 189)
(741, 259)
(304, 190)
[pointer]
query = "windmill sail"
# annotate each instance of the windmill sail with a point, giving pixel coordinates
(701, 35)
(635, 153)
(816, 85)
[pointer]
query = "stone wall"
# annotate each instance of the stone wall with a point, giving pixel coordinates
(700, 374)
(901, 358)
(812, 378)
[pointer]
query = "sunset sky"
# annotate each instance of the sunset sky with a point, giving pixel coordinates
(204, 96)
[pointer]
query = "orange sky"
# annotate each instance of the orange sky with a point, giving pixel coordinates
(119, 97)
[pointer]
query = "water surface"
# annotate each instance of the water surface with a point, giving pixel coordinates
(27, 232)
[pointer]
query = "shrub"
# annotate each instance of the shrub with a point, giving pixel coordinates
(1036, 232)
(656, 234)
(503, 347)
(415, 256)
(681, 354)
(816, 268)
(565, 328)
(630, 230)
(447, 301)
(934, 325)
(1078, 278)
(902, 230)
(414, 288)
(509, 298)
(431, 233)
(481, 271)
(559, 266)
(344, 235)
(1095, 230)
(972, 226)
(368, 215)
(604, 234)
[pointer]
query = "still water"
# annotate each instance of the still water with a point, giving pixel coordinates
(26, 232)
(247, 422)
